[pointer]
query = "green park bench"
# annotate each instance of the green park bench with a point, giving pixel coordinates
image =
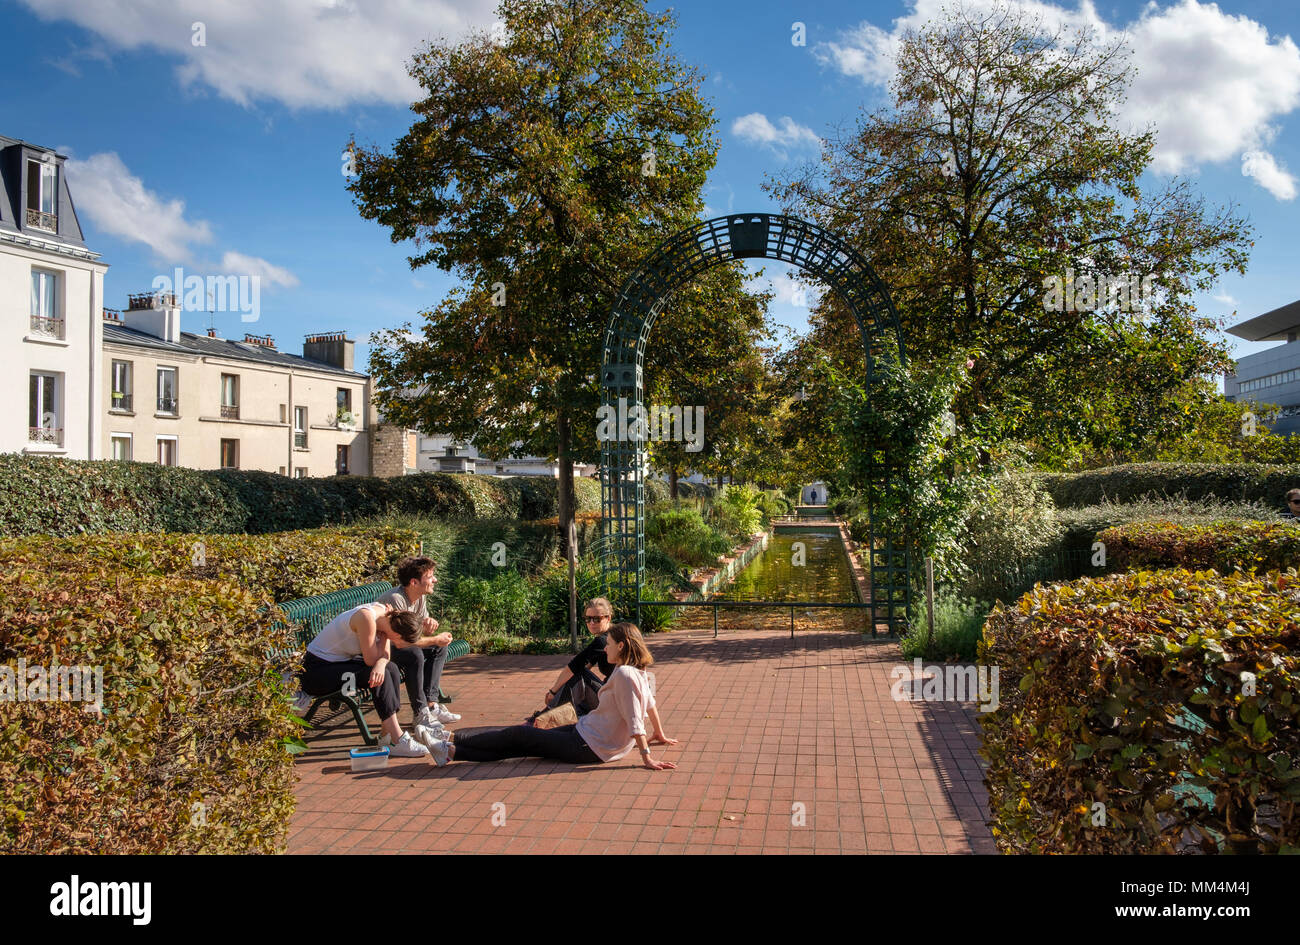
(309, 615)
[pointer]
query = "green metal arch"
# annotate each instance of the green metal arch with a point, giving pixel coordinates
(669, 266)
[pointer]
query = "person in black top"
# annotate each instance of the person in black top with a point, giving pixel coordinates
(599, 612)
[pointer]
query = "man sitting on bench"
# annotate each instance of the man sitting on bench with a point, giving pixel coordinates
(422, 661)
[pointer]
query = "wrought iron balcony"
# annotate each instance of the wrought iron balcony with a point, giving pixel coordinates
(43, 325)
(300, 440)
(120, 401)
(230, 411)
(43, 221)
(167, 405)
(45, 435)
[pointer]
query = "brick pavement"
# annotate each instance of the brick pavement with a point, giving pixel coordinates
(767, 724)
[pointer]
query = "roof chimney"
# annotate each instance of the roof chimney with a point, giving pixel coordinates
(154, 313)
(265, 341)
(332, 347)
(212, 333)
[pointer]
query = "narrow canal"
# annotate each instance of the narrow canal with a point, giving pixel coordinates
(799, 564)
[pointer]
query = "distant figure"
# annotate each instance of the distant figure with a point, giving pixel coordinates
(1292, 504)
(814, 497)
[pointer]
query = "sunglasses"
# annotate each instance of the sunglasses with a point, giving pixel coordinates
(596, 619)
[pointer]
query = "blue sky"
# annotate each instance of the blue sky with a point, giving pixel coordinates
(226, 156)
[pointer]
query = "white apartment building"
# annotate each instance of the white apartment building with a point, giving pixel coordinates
(181, 399)
(53, 288)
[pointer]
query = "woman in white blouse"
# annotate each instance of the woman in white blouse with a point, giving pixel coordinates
(607, 733)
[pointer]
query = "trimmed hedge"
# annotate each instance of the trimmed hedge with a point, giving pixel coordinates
(1248, 482)
(283, 566)
(190, 753)
(1127, 692)
(45, 495)
(1224, 546)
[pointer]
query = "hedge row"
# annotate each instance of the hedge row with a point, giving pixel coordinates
(1248, 482)
(1126, 724)
(190, 753)
(44, 495)
(1224, 546)
(282, 566)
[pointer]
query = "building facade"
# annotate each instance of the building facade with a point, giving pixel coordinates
(441, 453)
(181, 399)
(53, 286)
(1271, 376)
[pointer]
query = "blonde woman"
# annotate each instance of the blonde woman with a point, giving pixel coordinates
(607, 733)
(598, 615)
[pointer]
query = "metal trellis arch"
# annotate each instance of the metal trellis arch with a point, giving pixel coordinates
(672, 264)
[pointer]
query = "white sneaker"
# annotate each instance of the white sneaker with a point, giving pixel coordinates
(440, 751)
(407, 747)
(443, 714)
(428, 719)
(428, 736)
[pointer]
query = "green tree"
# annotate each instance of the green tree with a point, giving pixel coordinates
(998, 176)
(540, 168)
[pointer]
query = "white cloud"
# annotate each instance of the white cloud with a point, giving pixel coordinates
(787, 290)
(239, 264)
(1264, 168)
(1224, 298)
(787, 133)
(118, 203)
(303, 53)
(1213, 84)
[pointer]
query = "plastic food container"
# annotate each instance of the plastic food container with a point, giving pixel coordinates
(370, 759)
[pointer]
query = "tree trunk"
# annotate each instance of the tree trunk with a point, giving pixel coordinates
(566, 497)
(672, 482)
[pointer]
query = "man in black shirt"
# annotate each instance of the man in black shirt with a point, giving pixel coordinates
(598, 614)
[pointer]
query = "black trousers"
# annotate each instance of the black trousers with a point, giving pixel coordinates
(321, 677)
(524, 741)
(422, 667)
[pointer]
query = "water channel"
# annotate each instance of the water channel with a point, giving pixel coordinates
(802, 563)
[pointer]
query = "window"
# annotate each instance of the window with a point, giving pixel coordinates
(284, 413)
(341, 461)
(167, 450)
(167, 391)
(281, 470)
(45, 304)
(43, 421)
(230, 397)
(42, 195)
(300, 472)
(229, 454)
(122, 446)
(300, 427)
(121, 399)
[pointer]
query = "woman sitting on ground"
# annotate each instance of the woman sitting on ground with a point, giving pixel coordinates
(355, 642)
(605, 734)
(598, 614)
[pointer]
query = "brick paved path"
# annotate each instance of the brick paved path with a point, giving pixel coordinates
(769, 727)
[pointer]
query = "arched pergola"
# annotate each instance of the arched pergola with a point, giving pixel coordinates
(672, 264)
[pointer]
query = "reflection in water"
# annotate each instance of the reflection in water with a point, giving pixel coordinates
(774, 575)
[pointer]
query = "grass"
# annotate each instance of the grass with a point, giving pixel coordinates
(958, 625)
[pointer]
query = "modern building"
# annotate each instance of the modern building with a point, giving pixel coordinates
(205, 402)
(46, 268)
(1271, 376)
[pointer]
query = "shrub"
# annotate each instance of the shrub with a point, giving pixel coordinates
(736, 513)
(958, 624)
(683, 535)
(1127, 691)
(51, 496)
(1233, 482)
(503, 602)
(282, 566)
(1224, 546)
(193, 714)
(1079, 526)
(1011, 520)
